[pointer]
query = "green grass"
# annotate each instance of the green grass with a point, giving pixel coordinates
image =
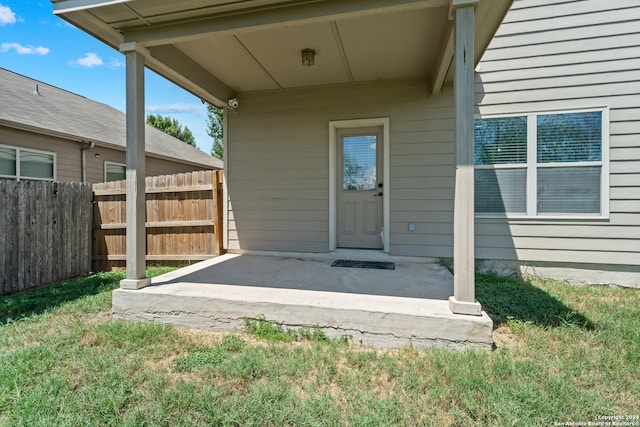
(562, 353)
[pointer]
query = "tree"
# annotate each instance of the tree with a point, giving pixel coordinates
(171, 127)
(215, 130)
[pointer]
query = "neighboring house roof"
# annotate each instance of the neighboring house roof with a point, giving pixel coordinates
(30, 104)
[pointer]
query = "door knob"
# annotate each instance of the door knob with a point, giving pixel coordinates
(378, 194)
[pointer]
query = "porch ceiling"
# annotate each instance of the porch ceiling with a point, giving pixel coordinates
(217, 48)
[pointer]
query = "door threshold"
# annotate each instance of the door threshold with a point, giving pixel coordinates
(341, 253)
(378, 255)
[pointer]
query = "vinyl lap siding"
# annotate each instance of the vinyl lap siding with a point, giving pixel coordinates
(276, 179)
(551, 55)
(69, 156)
(278, 161)
(67, 152)
(153, 166)
(422, 178)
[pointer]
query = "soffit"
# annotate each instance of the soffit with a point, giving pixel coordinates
(255, 45)
(351, 50)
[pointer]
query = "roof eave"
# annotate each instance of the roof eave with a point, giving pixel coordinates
(80, 139)
(67, 6)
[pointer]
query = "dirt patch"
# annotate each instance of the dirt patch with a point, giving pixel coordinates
(103, 316)
(202, 336)
(504, 337)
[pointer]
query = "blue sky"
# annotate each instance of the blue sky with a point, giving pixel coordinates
(36, 43)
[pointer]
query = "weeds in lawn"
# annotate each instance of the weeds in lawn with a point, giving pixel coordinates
(210, 356)
(274, 331)
(267, 330)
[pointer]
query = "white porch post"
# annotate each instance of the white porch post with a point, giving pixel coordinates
(136, 233)
(463, 299)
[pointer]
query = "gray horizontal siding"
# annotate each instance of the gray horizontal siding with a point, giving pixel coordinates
(548, 55)
(153, 166)
(278, 165)
(67, 152)
(551, 55)
(69, 156)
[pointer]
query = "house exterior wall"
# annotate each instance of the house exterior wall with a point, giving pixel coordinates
(547, 56)
(550, 55)
(68, 156)
(278, 164)
(154, 166)
(67, 152)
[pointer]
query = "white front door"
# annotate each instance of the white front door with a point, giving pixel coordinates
(360, 188)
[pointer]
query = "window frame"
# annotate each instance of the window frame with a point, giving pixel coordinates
(531, 166)
(107, 162)
(18, 175)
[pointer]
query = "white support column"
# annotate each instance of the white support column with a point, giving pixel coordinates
(463, 299)
(136, 233)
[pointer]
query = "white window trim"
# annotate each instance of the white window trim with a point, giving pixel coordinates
(333, 194)
(532, 166)
(106, 162)
(17, 176)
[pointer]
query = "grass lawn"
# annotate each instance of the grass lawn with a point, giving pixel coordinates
(563, 354)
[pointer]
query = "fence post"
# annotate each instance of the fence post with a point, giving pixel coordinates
(217, 213)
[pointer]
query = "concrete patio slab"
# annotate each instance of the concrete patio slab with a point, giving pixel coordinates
(379, 308)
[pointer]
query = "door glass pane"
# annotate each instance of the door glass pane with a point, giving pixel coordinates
(499, 191)
(36, 165)
(569, 190)
(115, 172)
(7, 161)
(359, 162)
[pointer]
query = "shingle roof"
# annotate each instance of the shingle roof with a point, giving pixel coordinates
(54, 110)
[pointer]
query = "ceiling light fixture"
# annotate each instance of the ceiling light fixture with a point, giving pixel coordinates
(308, 57)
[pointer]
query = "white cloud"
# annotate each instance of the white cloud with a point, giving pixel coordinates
(24, 50)
(7, 17)
(198, 109)
(90, 60)
(115, 63)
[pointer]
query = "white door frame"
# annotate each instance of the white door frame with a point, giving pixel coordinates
(333, 196)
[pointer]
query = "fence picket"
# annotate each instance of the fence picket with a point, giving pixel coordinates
(182, 218)
(42, 240)
(51, 231)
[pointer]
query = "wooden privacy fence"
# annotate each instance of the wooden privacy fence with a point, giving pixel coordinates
(183, 219)
(44, 232)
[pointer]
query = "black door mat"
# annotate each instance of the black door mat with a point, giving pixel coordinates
(379, 265)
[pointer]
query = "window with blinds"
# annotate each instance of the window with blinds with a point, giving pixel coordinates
(21, 163)
(36, 165)
(8, 162)
(114, 172)
(500, 155)
(500, 140)
(542, 164)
